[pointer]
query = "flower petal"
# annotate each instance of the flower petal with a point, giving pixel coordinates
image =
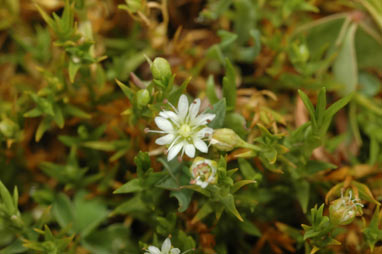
(154, 250)
(190, 150)
(168, 114)
(175, 251)
(165, 140)
(182, 106)
(173, 151)
(194, 109)
(205, 132)
(203, 184)
(200, 145)
(163, 124)
(204, 118)
(166, 246)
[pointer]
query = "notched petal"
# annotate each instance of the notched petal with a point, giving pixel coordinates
(190, 150)
(165, 140)
(173, 151)
(200, 145)
(163, 124)
(166, 246)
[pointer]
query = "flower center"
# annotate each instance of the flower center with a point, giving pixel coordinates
(185, 131)
(204, 171)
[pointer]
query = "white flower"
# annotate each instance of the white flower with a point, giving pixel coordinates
(166, 248)
(184, 128)
(203, 172)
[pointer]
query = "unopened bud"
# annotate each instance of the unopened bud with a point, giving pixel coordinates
(134, 5)
(161, 69)
(342, 211)
(143, 97)
(8, 128)
(203, 172)
(225, 139)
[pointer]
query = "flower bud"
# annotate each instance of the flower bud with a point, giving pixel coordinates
(161, 69)
(143, 97)
(342, 211)
(8, 128)
(203, 172)
(225, 139)
(134, 5)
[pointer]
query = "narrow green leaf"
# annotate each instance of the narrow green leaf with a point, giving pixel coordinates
(74, 111)
(219, 109)
(332, 110)
(246, 169)
(142, 160)
(229, 85)
(250, 228)
(45, 16)
(240, 184)
(58, 116)
(7, 199)
(42, 128)
(321, 105)
(63, 210)
(315, 166)
(33, 113)
(302, 188)
(374, 151)
(197, 189)
(345, 67)
(335, 107)
(365, 193)
(73, 69)
(229, 203)
(99, 145)
(133, 185)
(15, 196)
(309, 106)
(227, 38)
(89, 213)
(211, 91)
(126, 90)
(205, 210)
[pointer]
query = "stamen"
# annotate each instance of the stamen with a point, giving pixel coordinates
(188, 251)
(172, 106)
(173, 142)
(147, 130)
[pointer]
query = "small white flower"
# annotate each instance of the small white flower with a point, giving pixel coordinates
(166, 248)
(203, 172)
(184, 128)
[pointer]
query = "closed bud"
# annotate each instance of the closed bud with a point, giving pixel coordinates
(303, 53)
(8, 128)
(161, 69)
(134, 5)
(143, 97)
(342, 211)
(204, 172)
(226, 140)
